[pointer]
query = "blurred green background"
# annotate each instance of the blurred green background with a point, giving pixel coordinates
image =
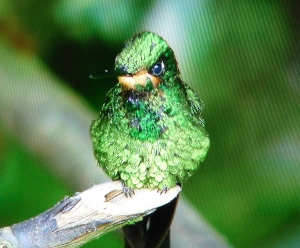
(242, 58)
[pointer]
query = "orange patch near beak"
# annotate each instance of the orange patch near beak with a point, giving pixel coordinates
(140, 78)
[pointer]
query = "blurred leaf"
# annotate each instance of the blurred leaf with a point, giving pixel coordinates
(245, 88)
(112, 21)
(24, 184)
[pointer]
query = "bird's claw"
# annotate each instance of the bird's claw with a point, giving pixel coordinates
(164, 190)
(127, 190)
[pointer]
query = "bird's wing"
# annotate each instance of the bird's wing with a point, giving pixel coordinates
(195, 103)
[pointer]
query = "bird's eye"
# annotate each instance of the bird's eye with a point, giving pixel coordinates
(158, 69)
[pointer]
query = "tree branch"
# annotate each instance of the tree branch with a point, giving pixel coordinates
(85, 216)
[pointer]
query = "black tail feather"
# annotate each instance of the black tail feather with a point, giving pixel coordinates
(154, 230)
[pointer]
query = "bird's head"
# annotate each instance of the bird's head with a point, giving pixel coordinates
(145, 59)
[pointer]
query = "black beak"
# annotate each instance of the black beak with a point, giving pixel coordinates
(104, 74)
(121, 71)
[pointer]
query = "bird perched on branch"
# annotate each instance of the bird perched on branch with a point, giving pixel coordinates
(150, 132)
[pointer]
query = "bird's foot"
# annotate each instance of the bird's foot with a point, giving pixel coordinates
(164, 190)
(127, 190)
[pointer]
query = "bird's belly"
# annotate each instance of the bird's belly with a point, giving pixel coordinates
(169, 160)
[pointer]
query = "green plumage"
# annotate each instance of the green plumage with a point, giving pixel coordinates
(150, 137)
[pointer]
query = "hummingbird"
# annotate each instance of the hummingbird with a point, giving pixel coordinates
(150, 132)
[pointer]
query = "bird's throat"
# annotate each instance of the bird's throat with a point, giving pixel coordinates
(130, 82)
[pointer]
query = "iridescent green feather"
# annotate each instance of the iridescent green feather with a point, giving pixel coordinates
(150, 137)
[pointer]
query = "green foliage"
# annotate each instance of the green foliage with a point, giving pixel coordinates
(24, 184)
